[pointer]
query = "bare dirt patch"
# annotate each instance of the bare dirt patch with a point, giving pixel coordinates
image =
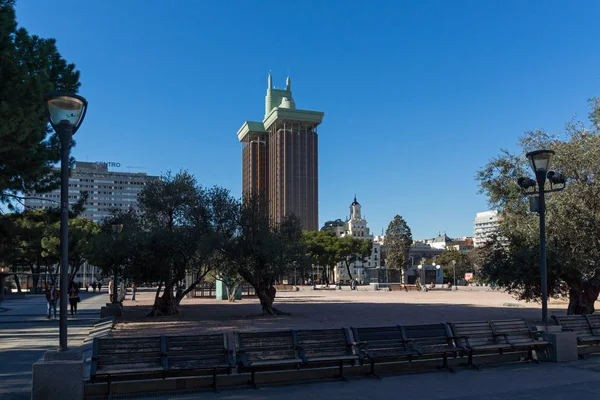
(314, 309)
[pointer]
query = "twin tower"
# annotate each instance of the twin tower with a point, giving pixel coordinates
(280, 157)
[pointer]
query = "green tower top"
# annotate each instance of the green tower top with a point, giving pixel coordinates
(279, 104)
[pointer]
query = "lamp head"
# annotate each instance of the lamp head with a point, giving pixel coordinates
(540, 160)
(65, 108)
(526, 183)
(419, 266)
(556, 177)
(438, 266)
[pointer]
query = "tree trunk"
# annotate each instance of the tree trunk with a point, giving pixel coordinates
(266, 295)
(232, 288)
(165, 304)
(348, 270)
(18, 283)
(582, 299)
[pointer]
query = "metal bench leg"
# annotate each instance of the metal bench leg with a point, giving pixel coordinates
(341, 375)
(215, 386)
(253, 378)
(446, 365)
(373, 369)
(471, 361)
(109, 397)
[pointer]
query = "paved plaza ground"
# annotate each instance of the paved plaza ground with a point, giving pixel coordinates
(26, 333)
(313, 309)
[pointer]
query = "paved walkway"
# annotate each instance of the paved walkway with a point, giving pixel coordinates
(548, 381)
(26, 333)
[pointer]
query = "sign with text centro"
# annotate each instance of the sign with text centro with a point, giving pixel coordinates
(468, 276)
(108, 164)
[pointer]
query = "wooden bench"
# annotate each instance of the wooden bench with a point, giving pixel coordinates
(127, 359)
(198, 354)
(519, 335)
(267, 350)
(117, 359)
(594, 321)
(410, 288)
(327, 347)
(431, 340)
(383, 344)
(478, 337)
(581, 325)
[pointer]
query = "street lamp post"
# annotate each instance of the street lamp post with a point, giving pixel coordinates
(437, 267)
(540, 161)
(454, 272)
(65, 113)
(420, 268)
(117, 229)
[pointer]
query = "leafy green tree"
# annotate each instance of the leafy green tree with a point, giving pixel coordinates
(118, 253)
(29, 67)
(81, 233)
(398, 239)
(263, 252)
(168, 205)
(572, 218)
(454, 259)
(352, 250)
(23, 249)
(322, 248)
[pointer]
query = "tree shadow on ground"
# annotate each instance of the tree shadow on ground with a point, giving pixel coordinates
(222, 317)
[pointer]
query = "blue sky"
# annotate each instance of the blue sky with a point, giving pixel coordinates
(417, 95)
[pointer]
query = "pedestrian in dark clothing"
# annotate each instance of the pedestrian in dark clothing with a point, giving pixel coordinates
(52, 296)
(73, 297)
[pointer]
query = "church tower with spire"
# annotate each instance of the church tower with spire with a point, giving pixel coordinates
(280, 157)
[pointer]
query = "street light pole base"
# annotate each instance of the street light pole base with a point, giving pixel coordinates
(59, 375)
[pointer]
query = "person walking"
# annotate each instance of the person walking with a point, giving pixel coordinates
(52, 296)
(133, 290)
(94, 286)
(99, 286)
(73, 297)
(110, 292)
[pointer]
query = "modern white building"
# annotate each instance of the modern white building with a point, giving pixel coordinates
(486, 224)
(107, 190)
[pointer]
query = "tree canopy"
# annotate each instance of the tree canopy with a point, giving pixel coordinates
(30, 67)
(398, 239)
(511, 259)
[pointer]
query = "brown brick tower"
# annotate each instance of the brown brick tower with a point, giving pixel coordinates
(280, 158)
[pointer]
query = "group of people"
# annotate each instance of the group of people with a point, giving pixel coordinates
(53, 297)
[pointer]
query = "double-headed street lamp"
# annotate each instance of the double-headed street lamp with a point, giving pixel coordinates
(540, 161)
(65, 112)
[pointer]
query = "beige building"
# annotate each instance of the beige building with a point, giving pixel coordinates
(107, 190)
(355, 226)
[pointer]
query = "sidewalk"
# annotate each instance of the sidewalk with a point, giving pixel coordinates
(574, 381)
(26, 333)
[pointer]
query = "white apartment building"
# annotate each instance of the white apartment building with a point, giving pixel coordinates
(485, 225)
(107, 190)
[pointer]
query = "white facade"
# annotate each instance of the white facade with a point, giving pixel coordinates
(107, 190)
(355, 227)
(485, 225)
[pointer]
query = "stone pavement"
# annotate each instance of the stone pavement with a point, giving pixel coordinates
(26, 333)
(548, 381)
